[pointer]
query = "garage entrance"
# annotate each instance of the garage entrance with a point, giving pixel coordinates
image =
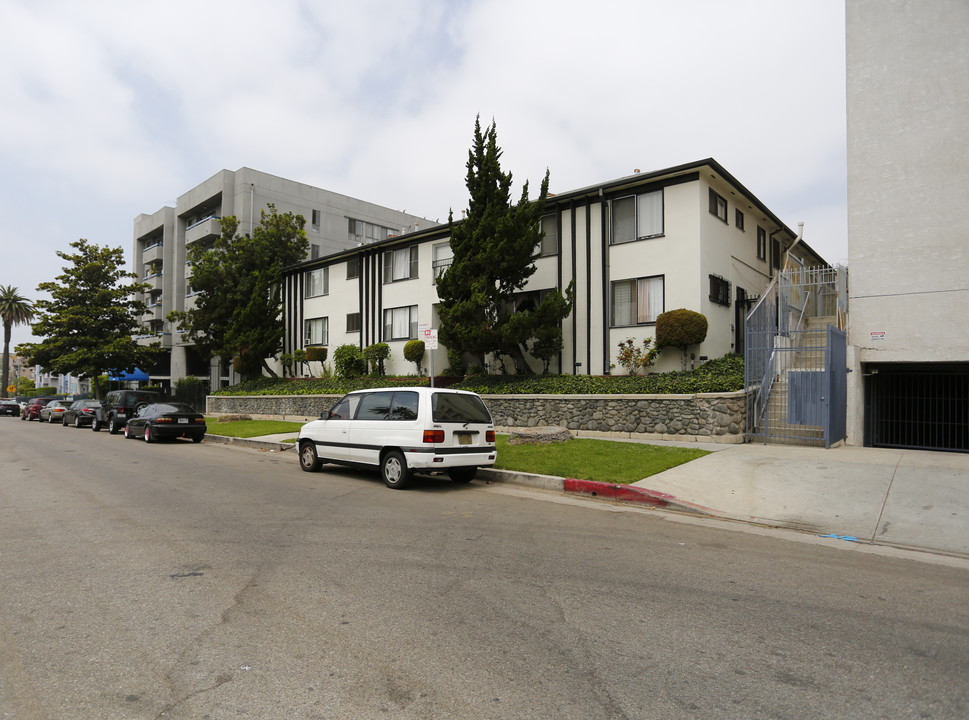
(917, 406)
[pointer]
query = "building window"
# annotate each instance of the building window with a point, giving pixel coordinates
(443, 257)
(775, 245)
(720, 290)
(638, 301)
(738, 218)
(353, 267)
(400, 323)
(718, 205)
(353, 322)
(362, 233)
(316, 331)
(314, 252)
(549, 244)
(317, 282)
(637, 217)
(761, 243)
(317, 216)
(400, 264)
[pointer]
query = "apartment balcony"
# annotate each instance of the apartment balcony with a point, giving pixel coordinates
(208, 229)
(154, 282)
(152, 253)
(164, 338)
(154, 312)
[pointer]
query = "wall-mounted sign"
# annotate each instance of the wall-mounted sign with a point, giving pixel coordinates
(876, 335)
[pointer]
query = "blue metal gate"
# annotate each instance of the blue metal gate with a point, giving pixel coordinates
(836, 369)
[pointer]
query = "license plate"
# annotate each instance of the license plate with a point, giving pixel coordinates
(464, 438)
(183, 421)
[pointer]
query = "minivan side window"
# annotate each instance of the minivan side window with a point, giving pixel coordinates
(375, 406)
(452, 407)
(344, 408)
(404, 406)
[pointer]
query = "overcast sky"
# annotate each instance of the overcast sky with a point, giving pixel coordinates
(111, 109)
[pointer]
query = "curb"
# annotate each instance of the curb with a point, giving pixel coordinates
(249, 443)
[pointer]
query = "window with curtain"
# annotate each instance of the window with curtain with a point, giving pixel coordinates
(638, 301)
(637, 217)
(316, 331)
(400, 323)
(400, 264)
(317, 282)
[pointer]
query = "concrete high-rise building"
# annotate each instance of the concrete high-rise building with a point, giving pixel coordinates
(334, 222)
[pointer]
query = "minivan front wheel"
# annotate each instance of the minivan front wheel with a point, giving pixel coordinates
(393, 469)
(308, 459)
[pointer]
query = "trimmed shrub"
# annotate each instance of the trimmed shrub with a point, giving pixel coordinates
(414, 352)
(680, 329)
(348, 361)
(374, 356)
(316, 354)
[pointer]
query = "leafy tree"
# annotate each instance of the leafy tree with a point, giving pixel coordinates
(299, 358)
(14, 310)
(238, 309)
(681, 329)
(349, 361)
(495, 249)
(374, 356)
(92, 313)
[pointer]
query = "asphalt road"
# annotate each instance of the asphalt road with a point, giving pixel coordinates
(203, 581)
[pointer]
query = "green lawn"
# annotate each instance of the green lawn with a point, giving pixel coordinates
(250, 428)
(588, 459)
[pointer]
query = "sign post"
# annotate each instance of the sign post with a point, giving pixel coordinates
(429, 336)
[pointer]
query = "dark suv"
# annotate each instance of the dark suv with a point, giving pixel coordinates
(119, 405)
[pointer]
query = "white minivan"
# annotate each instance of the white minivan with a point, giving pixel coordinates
(400, 430)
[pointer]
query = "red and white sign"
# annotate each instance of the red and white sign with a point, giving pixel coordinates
(876, 335)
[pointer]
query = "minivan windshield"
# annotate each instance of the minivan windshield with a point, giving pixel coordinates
(459, 408)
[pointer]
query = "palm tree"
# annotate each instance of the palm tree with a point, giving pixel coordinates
(14, 310)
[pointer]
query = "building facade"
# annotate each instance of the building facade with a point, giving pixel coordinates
(687, 237)
(908, 237)
(334, 222)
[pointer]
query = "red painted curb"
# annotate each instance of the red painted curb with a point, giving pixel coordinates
(611, 491)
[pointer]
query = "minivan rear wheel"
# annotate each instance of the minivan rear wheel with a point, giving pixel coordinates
(393, 469)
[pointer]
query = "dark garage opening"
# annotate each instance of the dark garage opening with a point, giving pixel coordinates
(918, 406)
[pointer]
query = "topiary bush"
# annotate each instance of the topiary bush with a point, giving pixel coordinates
(681, 329)
(374, 356)
(414, 352)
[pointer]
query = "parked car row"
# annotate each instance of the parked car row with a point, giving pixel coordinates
(138, 413)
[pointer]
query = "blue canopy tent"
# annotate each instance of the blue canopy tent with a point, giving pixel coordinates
(138, 375)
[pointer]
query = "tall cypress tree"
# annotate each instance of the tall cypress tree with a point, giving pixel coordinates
(495, 249)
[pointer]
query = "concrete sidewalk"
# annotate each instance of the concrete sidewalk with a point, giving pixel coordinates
(903, 498)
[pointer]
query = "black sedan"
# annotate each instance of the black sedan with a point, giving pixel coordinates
(166, 420)
(81, 413)
(9, 406)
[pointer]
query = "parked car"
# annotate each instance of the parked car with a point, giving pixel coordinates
(81, 413)
(52, 411)
(119, 405)
(9, 406)
(166, 420)
(33, 407)
(401, 430)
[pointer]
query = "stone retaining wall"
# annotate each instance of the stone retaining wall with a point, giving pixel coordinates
(709, 417)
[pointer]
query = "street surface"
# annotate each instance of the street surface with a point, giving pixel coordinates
(186, 581)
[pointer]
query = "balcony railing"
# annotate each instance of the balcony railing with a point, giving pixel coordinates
(204, 229)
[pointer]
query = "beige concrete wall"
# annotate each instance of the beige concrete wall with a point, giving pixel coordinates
(908, 180)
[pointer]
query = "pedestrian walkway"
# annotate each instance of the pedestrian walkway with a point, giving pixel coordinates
(904, 498)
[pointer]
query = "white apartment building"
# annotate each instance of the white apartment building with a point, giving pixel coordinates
(690, 237)
(908, 236)
(334, 223)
